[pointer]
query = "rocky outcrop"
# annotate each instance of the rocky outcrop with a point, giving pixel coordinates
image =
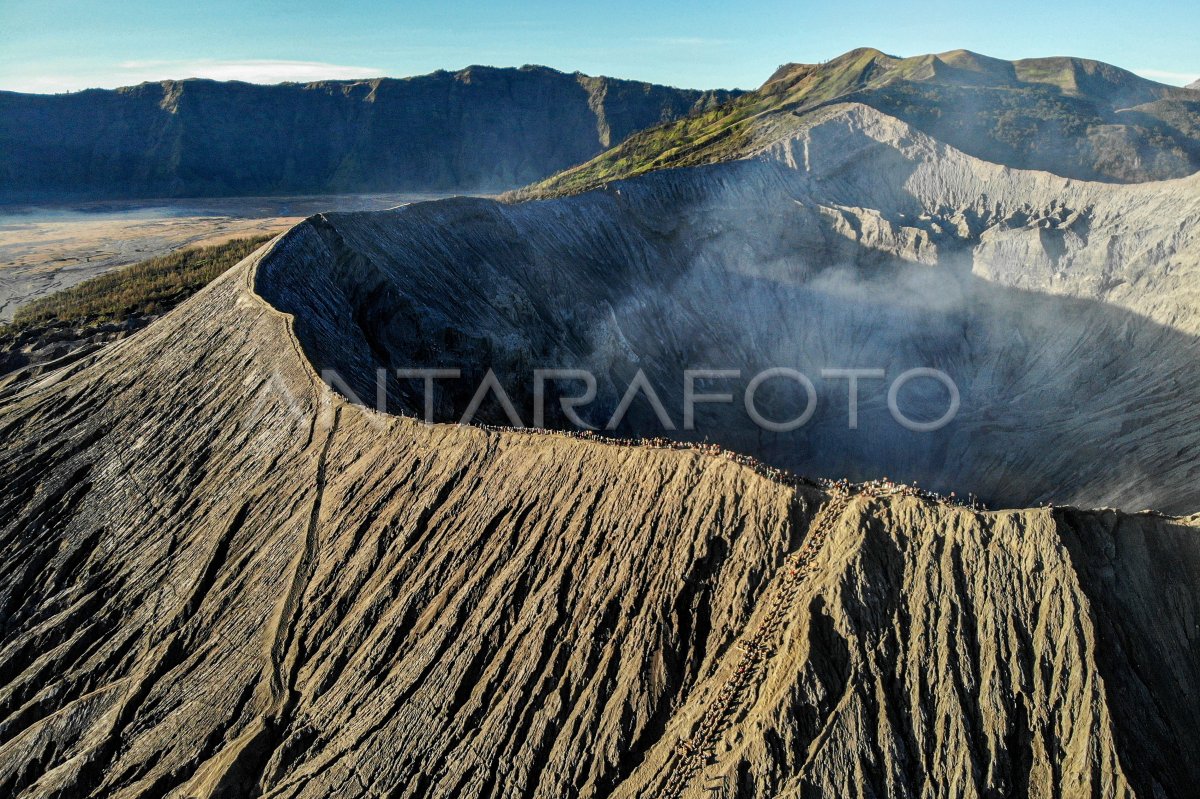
(278, 593)
(481, 128)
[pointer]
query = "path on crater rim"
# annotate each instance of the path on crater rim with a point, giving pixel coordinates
(694, 753)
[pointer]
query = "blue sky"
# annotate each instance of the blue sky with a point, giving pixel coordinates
(60, 45)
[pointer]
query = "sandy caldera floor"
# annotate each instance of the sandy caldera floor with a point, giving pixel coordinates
(44, 249)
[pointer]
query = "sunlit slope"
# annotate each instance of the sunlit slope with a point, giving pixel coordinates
(223, 580)
(1069, 116)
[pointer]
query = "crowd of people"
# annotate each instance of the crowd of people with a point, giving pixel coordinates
(872, 488)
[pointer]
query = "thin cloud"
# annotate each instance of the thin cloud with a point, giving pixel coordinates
(1163, 76)
(256, 70)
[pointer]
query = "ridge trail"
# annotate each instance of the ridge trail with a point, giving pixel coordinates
(695, 752)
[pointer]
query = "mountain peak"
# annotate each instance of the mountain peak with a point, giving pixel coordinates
(1015, 113)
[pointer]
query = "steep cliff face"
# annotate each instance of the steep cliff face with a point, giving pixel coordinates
(277, 593)
(1065, 312)
(480, 128)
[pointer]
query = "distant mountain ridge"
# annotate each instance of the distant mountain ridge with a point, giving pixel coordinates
(1069, 116)
(1194, 85)
(477, 128)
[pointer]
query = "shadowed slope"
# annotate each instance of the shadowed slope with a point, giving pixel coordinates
(480, 128)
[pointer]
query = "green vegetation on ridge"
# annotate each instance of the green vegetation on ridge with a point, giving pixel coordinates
(1074, 117)
(148, 288)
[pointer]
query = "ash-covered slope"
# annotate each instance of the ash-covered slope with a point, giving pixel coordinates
(1066, 312)
(480, 128)
(220, 579)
